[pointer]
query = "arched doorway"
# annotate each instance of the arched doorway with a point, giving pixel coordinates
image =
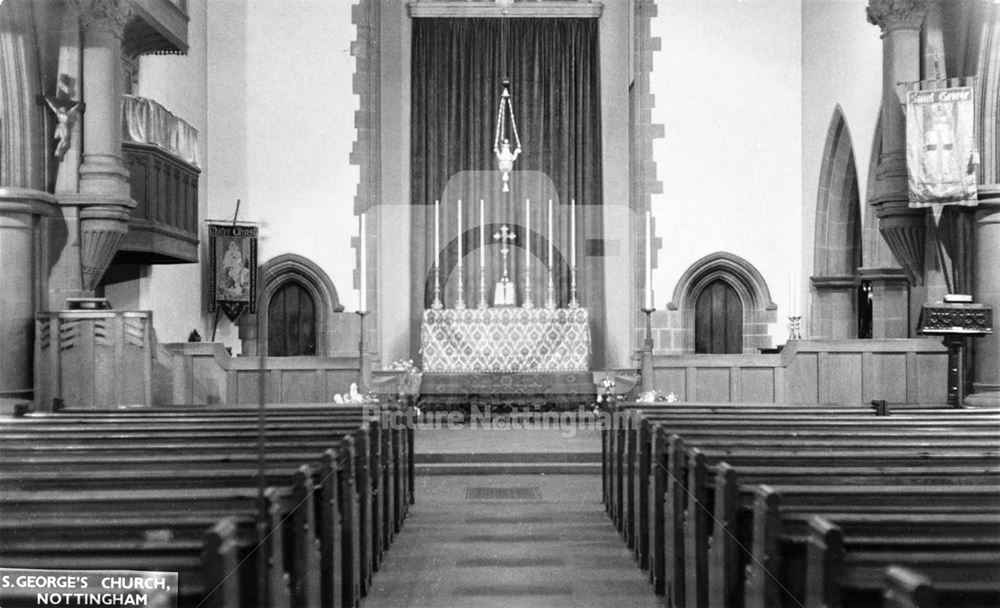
(300, 291)
(718, 325)
(291, 322)
(723, 305)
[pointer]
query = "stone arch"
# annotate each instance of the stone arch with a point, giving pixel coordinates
(758, 308)
(837, 242)
(275, 273)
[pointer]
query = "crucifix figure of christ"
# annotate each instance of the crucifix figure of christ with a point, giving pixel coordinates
(504, 293)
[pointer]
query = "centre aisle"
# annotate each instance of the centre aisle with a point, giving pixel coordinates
(479, 540)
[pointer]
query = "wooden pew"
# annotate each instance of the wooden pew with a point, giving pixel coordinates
(226, 439)
(700, 500)
(846, 561)
(395, 422)
(632, 457)
(670, 473)
(358, 531)
(397, 419)
(905, 588)
(271, 510)
(335, 505)
(771, 502)
(217, 562)
(89, 421)
(667, 461)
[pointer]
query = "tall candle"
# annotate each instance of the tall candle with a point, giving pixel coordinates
(550, 235)
(363, 275)
(649, 259)
(459, 235)
(527, 236)
(482, 234)
(437, 235)
(572, 233)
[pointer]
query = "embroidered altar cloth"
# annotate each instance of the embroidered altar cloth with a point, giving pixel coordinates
(505, 340)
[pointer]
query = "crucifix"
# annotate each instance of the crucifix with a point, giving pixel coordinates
(504, 294)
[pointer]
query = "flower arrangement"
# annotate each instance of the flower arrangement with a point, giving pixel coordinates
(655, 396)
(354, 396)
(409, 379)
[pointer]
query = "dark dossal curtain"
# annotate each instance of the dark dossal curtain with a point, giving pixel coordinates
(458, 66)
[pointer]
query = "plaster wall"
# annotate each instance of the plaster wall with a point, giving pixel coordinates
(180, 83)
(300, 108)
(267, 84)
(841, 64)
(728, 90)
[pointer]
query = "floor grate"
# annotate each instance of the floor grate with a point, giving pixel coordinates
(485, 493)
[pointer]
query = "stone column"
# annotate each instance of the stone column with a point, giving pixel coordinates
(23, 273)
(986, 254)
(904, 229)
(986, 383)
(103, 198)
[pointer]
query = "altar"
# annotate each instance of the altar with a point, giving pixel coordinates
(505, 339)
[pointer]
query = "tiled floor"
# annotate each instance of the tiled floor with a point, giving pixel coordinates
(508, 540)
(506, 436)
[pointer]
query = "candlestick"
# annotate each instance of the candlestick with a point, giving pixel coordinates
(527, 254)
(362, 274)
(460, 304)
(572, 232)
(550, 296)
(436, 304)
(482, 254)
(649, 259)
(550, 234)
(572, 254)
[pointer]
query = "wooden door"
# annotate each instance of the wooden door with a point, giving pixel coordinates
(291, 322)
(718, 320)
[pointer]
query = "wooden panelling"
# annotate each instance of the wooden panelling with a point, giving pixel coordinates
(163, 228)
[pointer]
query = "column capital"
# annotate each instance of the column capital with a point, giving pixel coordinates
(892, 15)
(104, 15)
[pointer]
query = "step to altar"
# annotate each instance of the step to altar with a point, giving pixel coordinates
(502, 392)
(554, 445)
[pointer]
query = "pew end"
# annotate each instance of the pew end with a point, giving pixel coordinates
(906, 588)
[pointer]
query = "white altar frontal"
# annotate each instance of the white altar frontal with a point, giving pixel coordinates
(505, 339)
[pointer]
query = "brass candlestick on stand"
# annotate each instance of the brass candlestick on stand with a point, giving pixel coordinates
(646, 369)
(364, 363)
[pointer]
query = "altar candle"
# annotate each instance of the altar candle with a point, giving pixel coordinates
(572, 233)
(437, 235)
(527, 236)
(363, 275)
(460, 235)
(482, 234)
(649, 259)
(550, 235)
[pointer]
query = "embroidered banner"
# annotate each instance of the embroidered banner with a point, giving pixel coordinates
(941, 154)
(505, 340)
(232, 254)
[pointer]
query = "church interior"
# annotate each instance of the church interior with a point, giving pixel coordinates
(476, 302)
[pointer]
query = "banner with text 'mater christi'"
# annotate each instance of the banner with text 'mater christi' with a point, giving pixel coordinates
(941, 154)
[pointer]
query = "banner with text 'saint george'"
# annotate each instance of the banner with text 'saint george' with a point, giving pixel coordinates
(941, 153)
(232, 253)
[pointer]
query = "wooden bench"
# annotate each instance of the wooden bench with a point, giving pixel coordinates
(846, 558)
(287, 555)
(181, 444)
(331, 469)
(309, 443)
(217, 562)
(378, 507)
(772, 503)
(646, 477)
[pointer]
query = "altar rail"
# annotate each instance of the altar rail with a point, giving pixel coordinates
(203, 373)
(841, 372)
